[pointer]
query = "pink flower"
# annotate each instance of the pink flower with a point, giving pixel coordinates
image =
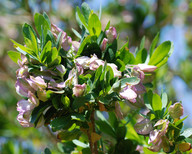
(111, 34)
(176, 110)
(38, 81)
(23, 87)
(24, 120)
(24, 106)
(115, 70)
(66, 42)
(78, 89)
(128, 94)
(22, 72)
(104, 44)
(147, 68)
(83, 61)
(75, 45)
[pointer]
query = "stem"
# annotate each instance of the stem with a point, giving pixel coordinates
(93, 146)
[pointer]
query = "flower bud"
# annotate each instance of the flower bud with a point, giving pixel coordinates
(78, 89)
(104, 44)
(61, 69)
(176, 110)
(111, 34)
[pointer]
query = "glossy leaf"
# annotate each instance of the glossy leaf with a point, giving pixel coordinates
(161, 52)
(94, 25)
(15, 56)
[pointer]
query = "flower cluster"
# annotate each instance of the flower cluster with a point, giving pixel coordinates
(64, 83)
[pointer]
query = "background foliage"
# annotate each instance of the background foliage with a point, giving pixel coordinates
(132, 19)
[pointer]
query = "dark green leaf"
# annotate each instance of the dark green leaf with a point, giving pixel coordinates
(78, 117)
(85, 41)
(37, 112)
(47, 151)
(69, 135)
(61, 123)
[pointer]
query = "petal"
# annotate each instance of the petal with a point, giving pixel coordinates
(143, 127)
(147, 68)
(128, 94)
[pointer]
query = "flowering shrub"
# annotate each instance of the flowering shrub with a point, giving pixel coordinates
(67, 85)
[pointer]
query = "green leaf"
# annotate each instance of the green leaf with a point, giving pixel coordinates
(180, 121)
(81, 144)
(86, 11)
(85, 41)
(41, 22)
(46, 50)
(24, 49)
(94, 25)
(130, 81)
(106, 128)
(37, 112)
(47, 151)
(141, 56)
(15, 56)
(121, 132)
(61, 123)
(81, 18)
(153, 44)
(26, 31)
(148, 99)
(47, 18)
(34, 42)
(164, 100)
(108, 25)
(187, 132)
(76, 33)
(80, 101)
(78, 117)
(124, 55)
(120, 64)
(69, 135)
(142, 45)
(156, 104)
(162, 51)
